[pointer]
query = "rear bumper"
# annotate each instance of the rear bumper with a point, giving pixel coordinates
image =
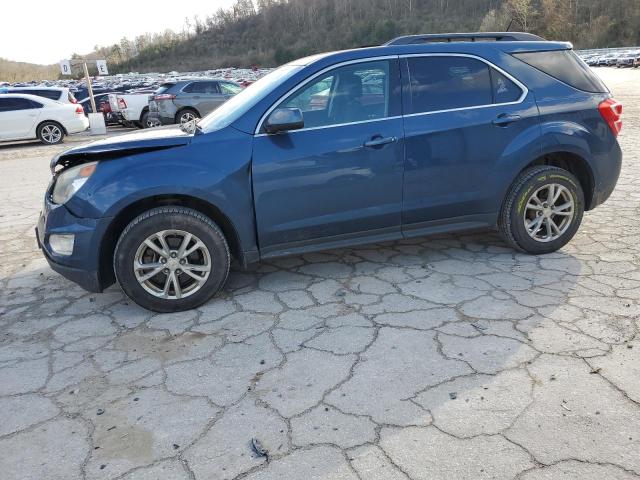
(77, 125)
(163, 120)
(607, 175)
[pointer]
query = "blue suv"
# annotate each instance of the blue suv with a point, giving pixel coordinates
(426, 134)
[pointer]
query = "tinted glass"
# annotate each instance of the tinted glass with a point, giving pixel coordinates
(13, 104)
(504, 90)
(565, 66)
(202, 87)
(163, 88)
(51, 94)
(444, 83)
(353, 93)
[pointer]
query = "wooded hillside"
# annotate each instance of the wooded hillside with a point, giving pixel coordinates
(271, 32)
(11, 71)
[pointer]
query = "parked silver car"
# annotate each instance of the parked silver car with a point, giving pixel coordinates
(184, 101)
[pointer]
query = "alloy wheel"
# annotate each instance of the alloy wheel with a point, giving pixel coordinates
(172, 264)
(187, 117)
(51, 133)
(549, 212)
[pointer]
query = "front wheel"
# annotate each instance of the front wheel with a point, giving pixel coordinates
(542, 211)
(171, 259)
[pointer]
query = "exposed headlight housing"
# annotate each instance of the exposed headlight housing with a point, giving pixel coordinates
(70, 181)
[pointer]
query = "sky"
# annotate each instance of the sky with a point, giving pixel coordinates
(45, 32)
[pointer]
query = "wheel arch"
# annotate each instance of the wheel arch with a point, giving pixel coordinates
(42, 122)
(573, 163)
(187, 107)
(127, 214)
(144, 110)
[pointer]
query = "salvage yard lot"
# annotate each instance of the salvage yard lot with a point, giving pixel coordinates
(449, 357)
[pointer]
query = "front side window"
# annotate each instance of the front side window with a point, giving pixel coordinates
(352, 93)
(446, 83)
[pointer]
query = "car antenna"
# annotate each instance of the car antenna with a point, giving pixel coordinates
(509, 26)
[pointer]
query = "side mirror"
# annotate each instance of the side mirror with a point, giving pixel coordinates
(284, 120)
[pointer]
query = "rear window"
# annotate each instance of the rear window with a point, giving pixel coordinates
(163, 88)
(565, 66)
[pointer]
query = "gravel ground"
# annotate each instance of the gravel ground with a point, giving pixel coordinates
(449, 357)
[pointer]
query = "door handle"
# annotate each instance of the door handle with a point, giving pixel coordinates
(379, 141)
(505, 119)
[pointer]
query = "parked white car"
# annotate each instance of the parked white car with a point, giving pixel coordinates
(61, 94)
(131, 108)
(25, 117)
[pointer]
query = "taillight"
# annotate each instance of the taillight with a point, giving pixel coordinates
(122, 103)
(79, 110)
(611, 111)
(164, 96)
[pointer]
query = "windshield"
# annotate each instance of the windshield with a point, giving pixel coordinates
(237, 106)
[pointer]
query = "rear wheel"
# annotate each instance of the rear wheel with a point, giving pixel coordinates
(542, 211)
(144, 119)
(171, 259)
(186, 115)
(50, 133)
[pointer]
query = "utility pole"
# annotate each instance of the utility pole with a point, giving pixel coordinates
(89, 87)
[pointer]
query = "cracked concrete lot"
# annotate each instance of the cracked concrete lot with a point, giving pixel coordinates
(450, 357)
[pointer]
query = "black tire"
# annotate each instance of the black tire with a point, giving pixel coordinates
(171, 218)
(44, 133)
(184, 111)
(511, 221)
(144, 118)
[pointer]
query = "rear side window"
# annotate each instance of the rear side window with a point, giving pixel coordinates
(446, 83)
(565, 66)
(229, 88)
(504, 89)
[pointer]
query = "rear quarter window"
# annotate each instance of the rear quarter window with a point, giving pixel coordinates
(564, 65)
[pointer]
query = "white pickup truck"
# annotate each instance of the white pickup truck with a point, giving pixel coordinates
(131, 108)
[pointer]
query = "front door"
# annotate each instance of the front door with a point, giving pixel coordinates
(340, 177)
(462, 126)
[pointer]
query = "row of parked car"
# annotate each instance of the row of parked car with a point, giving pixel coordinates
(619, 59)
(49, 112)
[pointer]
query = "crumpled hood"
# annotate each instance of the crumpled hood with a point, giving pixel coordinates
(160, 138)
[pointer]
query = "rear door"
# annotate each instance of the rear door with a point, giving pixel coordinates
(212, 97)
(462, 116)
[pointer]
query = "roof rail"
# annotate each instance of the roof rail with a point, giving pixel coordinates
(465, 37)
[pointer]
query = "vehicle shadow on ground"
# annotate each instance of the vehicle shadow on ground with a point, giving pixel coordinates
(387, 336)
